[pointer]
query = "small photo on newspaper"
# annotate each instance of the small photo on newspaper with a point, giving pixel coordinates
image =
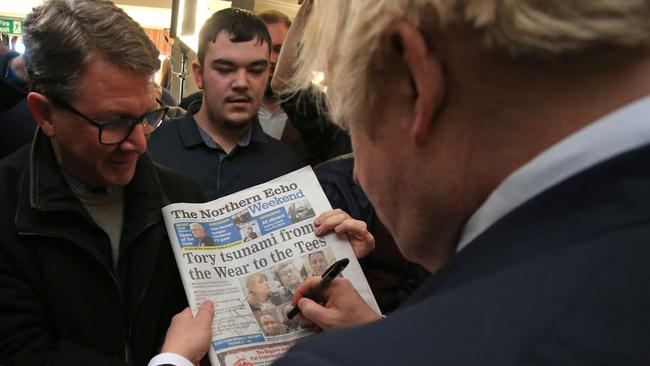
(248, 252)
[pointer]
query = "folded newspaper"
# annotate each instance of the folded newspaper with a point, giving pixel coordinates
(248, 252)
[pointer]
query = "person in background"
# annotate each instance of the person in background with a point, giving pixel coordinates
(220, 143)
(17, 125)
(80, 207)
(297, 119)
(13, 81)
(272, 118)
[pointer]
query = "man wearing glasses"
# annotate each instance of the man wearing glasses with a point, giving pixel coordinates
(87, 275)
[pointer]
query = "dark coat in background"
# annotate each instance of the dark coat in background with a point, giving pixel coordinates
(17, 125)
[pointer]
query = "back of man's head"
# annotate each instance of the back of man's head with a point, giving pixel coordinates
(241, 25)
(344, 38)
(62, 36)
(274, 17)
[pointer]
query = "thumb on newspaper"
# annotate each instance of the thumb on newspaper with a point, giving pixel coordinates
(190, 336)
(205, 313)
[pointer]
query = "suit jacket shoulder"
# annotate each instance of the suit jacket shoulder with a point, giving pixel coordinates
(560, 280)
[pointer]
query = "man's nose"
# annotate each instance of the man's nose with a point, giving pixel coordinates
(241, 79)
(136, 141)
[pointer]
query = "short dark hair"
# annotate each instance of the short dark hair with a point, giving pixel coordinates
(273, 17)
(62, 36)
(242, 25)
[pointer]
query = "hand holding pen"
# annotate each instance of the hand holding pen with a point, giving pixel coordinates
(327, 277)
(343, 306)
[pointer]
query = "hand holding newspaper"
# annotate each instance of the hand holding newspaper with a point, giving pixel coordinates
(248, 252)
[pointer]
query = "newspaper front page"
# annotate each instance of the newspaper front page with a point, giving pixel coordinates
(248, 252)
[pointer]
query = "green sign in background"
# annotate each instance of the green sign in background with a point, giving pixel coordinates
(11, 26)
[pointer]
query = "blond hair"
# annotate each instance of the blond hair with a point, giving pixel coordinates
(342, 38)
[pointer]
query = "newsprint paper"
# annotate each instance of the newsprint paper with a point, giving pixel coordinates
(248, 252)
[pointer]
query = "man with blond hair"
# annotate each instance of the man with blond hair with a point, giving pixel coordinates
(506, 151)
(505, 145)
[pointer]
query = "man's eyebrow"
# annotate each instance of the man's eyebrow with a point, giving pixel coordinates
(259, 63)
(229, 63)
(222, 62)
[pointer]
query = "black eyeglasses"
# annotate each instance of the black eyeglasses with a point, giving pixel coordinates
(116, 131)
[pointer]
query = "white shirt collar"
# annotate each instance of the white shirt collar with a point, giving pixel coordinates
(622, 130)
(272, 123)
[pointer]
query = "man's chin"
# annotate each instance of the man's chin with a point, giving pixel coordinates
(120, 176)
(237, 124)
(120, 181)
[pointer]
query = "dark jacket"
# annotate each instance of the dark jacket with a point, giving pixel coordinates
(310, 131)
(17, 125)
(17, 128)
(61, 302)
(10, 92)
(561, 280)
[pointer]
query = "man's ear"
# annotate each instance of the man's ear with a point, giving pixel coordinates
(42, 109)
(197, 71)
(426, 72)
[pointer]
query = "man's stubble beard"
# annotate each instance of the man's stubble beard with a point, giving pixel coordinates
(235, 125)
(231, 125)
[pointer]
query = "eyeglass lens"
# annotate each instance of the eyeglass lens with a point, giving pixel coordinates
(118, 130)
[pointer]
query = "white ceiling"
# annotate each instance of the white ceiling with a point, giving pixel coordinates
(289, 6)
(146, 3)
(149, 13)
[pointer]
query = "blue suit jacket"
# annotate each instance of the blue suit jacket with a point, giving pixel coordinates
(562, 280)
